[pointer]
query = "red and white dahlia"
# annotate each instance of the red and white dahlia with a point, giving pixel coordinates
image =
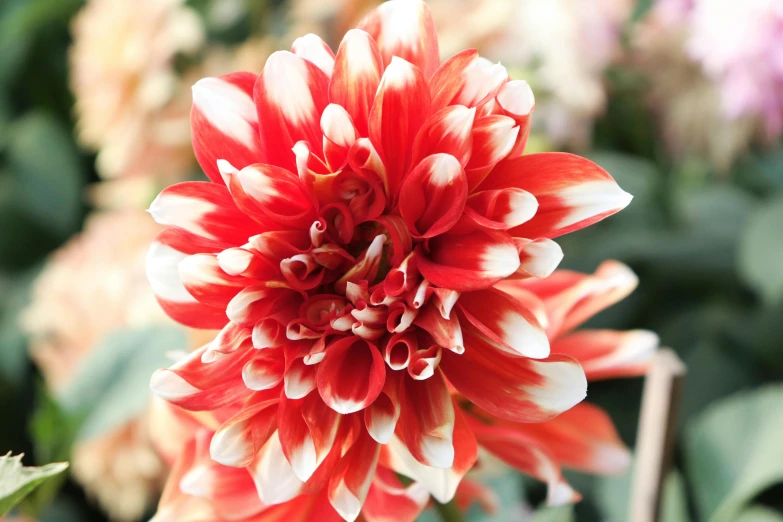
(370, 215)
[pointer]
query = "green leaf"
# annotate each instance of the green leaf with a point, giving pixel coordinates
(674, 505)
(111, 386)
(17, 481)
(761, 251)
(554, 514)
(46, 171)
(733, 452)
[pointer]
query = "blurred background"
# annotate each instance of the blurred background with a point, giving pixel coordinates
(680, 100)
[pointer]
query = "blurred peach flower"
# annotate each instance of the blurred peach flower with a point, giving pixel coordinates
(125, 84)
(562, 46)
(91, 287)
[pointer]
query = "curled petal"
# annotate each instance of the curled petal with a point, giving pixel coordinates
(300, 379)
(444, 331)
(224, 123)
(280, 196)
(500, 209)
(404, 28)
(433, 195)
(339, 135)
(424, 362)
(493, 139)
(516, 100)
(265, 371)
(448, 131)
(537, 257)
(572, 192)
(380, 418)
(351, 375)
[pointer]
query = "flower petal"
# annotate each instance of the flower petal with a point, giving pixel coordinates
(572, 192)
(290, 95)
(504, 323)
(401, 106)
(405, 29)
(449, 131)
(224, 122)
(274, 477)
(493, 139)
(307, 430)
(468, 262)
(389, 501)
(351, 479)
(433, 195)
(351, 375)
(313, 49)
(516, 100)
(514, 388)
(357, 72)
(466, 79)
(609, 354)
(427, 420)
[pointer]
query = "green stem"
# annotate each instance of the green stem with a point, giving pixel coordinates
(449, 512)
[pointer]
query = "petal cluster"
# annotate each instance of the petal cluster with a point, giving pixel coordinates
(368, 225)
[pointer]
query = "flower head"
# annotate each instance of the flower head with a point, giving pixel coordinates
(369, 217)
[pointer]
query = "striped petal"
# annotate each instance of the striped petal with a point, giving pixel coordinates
(433, 195)
(493, 139)
(236, 442)
(351, 375)
(163, 260)
(504, 323)
(401, 107)
(609, 354)
(224, 122)
(468, 262)
(583, 438)
(427, 420)
(405, 29)
(572, 192)
(390, 501)
(466, 79)
(537, 257)
(280, 196)
(307, 430)
(514, 388)
(516, 101)
(449, 131)
(203, 278)
(351, 479)
(500, 209)
(274, 477)
(357, 72)
(290, 95)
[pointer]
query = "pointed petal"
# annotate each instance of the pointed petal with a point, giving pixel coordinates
(537, 257)
(466, 79)
(583, 438)
(274, 477)
(290, 95)
(163, 261)
(446, 332)
(516, 100)
(525, 454)
(307, 431)
(401, 107)
(224, 123)
(389, 501)
(449, 131)
(514, 388)
(236, 441)
(504, 323)
(203, 278)
(351, 479)
(427, 420)
(313, 49)
(357, 72)
(609, 354)
(493, 139)
(500, 209)
(572, 192)
(469, 262)
(280, 196)
(433, 195)
(405, 28)
(351, 375)
(380, 418)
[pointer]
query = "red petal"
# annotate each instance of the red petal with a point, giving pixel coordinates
(351, 479)
(449, 131)
(514, 388)
(237, 440)
(446, 332)
(608, 354)
(307, 431)
(469, 262)
(203, 278)
(405, 29)
(466, 79)
(433, 195)
(224, 123)
(572, 192)
(504, 323)
(401, 107)
(516, 100)
(290, 95)
(357, 73)
(493, 138)
(313, 49)
(389, 501)
(280, 196)
(427, 420)
(351, 375)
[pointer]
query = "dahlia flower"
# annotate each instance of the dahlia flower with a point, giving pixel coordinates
(92, 287)
(583, 438)
(368, 223)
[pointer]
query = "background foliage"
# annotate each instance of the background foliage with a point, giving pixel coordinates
(706, 245)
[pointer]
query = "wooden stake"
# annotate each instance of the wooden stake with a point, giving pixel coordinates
(655, 441)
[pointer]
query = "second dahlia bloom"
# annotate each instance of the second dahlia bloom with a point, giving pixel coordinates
(369, 214)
